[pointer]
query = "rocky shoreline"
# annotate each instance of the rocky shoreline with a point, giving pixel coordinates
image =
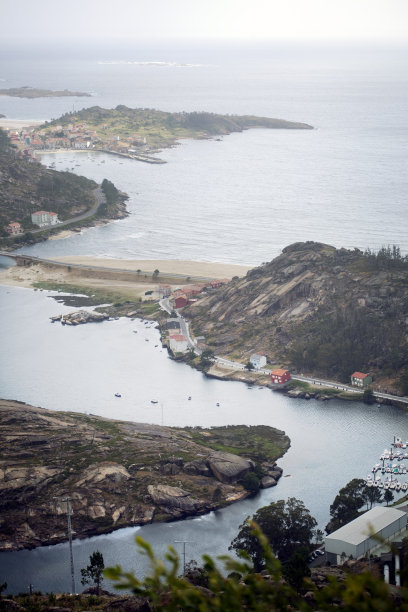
(119, 474)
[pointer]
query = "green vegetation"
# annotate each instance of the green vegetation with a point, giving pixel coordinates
(349, 502)
(34, 92)
(260, 442)
(287, 525)
(161, 128)
(28, 186)
(239, 587)
(93, 573)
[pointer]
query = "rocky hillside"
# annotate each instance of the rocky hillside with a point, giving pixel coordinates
(118, 473)
(27, 186)
(317, 309)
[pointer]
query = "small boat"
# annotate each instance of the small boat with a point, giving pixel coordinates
(189, 397)
(118, 395)
(217, 404)
(154, 401)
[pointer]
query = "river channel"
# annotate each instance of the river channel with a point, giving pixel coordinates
(81, 368)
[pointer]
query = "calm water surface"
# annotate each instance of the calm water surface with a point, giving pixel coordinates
(331, 442)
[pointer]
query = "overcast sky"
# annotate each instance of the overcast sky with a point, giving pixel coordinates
(41, 21)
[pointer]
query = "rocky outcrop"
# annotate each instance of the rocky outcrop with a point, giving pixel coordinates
(174, 500)
(317, 310)
(81, 316)
(229, 468)
(114, 473)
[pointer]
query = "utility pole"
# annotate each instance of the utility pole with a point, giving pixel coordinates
(183, 542)
(67, 500)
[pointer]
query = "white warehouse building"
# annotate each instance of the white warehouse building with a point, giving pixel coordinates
(354, 539)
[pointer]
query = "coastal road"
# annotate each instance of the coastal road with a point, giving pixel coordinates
(99, 199)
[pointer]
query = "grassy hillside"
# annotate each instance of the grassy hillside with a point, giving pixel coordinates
(163, 129)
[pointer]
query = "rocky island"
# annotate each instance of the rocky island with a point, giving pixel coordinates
(34, 92)
(118, 473)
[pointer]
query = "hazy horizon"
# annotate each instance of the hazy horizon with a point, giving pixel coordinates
(126, 21)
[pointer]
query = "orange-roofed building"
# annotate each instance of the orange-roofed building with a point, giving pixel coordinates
(280, 376)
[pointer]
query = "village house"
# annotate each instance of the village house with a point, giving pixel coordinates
(358, 379)
(178, 343)
(257, 360)
(14, 228)
(163, 290)
(180, 301)
(43, 218)
(280, 376)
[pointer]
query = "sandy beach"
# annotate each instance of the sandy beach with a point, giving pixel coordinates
(20, 276)
(18, 124)
(179, 266)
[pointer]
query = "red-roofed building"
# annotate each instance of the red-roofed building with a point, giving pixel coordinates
(280, 376)
(178, 343)
(358, 379)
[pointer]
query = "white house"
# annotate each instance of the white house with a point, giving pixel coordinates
(258, 361)
(178, 343)
(43, 217)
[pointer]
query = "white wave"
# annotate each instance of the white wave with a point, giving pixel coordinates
(148, 63)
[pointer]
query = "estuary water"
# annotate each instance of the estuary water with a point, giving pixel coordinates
(238, 200)
(331, 442)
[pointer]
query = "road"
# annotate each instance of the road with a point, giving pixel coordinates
(99, 199)
(234, 365)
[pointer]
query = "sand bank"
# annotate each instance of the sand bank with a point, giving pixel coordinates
(188, 268)
(18, 124)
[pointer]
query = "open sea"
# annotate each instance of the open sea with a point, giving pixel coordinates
(243, 199)
(238, 200)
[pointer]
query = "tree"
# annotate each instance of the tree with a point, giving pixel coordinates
(207, 357)
(156, 274)
(251, 482)
(372, 495)
(3, 587)
(94, 571)
(388, 496)
(249, 366)
(287, 526)
(346, 504)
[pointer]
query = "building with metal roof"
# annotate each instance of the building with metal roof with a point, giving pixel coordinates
(356, 539)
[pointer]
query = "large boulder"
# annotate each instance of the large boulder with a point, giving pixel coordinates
(173, 500)
(229, 468)
(197, 468)
(268, 481)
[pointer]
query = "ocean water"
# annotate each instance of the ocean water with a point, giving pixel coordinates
(243, 199)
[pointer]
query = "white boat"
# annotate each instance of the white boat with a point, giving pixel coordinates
(392, 485)
(398, 486)
(154, 401)
(386, 485)
(381, 484)
(404, 486)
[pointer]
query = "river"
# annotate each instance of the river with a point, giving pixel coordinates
(331, 442)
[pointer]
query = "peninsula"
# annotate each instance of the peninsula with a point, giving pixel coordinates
(140, 132)
(34, 92)
(118, 473)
